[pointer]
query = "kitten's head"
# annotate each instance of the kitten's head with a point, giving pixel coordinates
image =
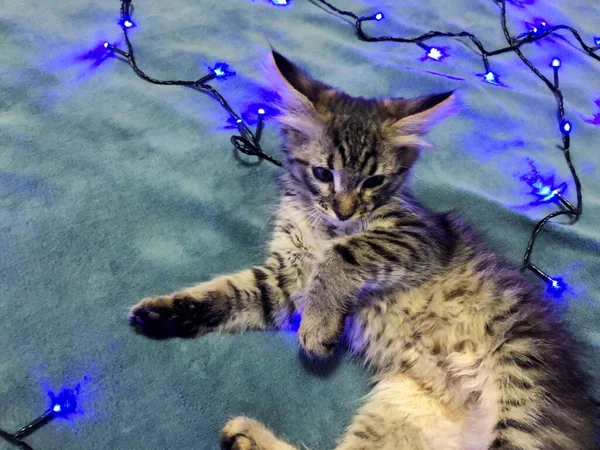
(347, 155)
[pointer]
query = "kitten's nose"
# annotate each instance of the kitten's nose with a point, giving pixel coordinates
(344, 205)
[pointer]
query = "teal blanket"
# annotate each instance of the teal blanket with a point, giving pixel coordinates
(112, 189)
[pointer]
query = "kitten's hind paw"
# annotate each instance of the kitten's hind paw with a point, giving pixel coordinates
(174, 316)
(243, 433)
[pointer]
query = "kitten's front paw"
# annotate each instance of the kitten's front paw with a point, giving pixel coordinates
(179, 315)
(319, 337)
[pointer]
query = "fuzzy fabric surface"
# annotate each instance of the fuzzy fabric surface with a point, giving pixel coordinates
(113, 189)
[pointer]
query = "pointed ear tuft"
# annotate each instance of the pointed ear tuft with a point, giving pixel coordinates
(415, 117)
(302, 83)
(302, 97)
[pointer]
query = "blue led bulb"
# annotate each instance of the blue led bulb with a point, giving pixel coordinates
(106, 44)
(491, 78)
(566, 127)
(127, 23)
(597, 40)
(556, 63)
(63, 403)
(542, 190)
(280, 2)
(261, 111)
(434, 54)
(221, 70)
(379, 16)
(556, 286)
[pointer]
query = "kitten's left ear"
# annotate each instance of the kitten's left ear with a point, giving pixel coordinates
(417, 116)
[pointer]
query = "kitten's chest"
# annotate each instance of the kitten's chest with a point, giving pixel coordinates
(306, 240)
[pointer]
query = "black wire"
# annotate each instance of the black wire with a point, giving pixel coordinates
(247, 143)
(514, 46)
(566, 141)
(12, 440)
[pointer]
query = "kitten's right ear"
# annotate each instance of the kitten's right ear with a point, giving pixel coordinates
(303, 98)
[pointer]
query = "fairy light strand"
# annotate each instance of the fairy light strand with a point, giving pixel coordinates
(514, 44)
(246, 142)
(62, 404)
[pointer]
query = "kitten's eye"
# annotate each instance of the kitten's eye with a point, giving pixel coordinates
(322, 174)
(373, 182)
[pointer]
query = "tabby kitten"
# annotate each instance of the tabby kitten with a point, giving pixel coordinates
(467, 355)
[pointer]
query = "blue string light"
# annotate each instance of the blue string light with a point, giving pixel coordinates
(221, 70)
(539, 29)
(64, 403)
(280, 2)
(128, 23)
(596, 40)
(556, 63)
(434, 53)
(546, 192)
(261, 111)
(379, 16)
(247, 142)
(491, 78)
(543, 188)
(556, 287)
(566, 127)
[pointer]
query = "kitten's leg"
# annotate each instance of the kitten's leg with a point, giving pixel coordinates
(257, 298)
(400, 415)
(243, 433)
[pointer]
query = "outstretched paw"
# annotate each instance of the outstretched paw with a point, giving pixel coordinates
(243, 433)
(179, 315)
(319, 336)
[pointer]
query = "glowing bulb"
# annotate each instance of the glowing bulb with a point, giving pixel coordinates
(280, 2)
(434, 53)
(379, 16)
(543, 24)
(556, 286)
(597, 40)
(490, 77)
(106, 45)
(221, 70)
(535, 30)
(63, 403)
(556, 63)
(261, 111)
(542, 190)
(566, 127)
(238, 121)
(128, 24)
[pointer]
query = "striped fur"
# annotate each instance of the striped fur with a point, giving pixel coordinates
(467, 354)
